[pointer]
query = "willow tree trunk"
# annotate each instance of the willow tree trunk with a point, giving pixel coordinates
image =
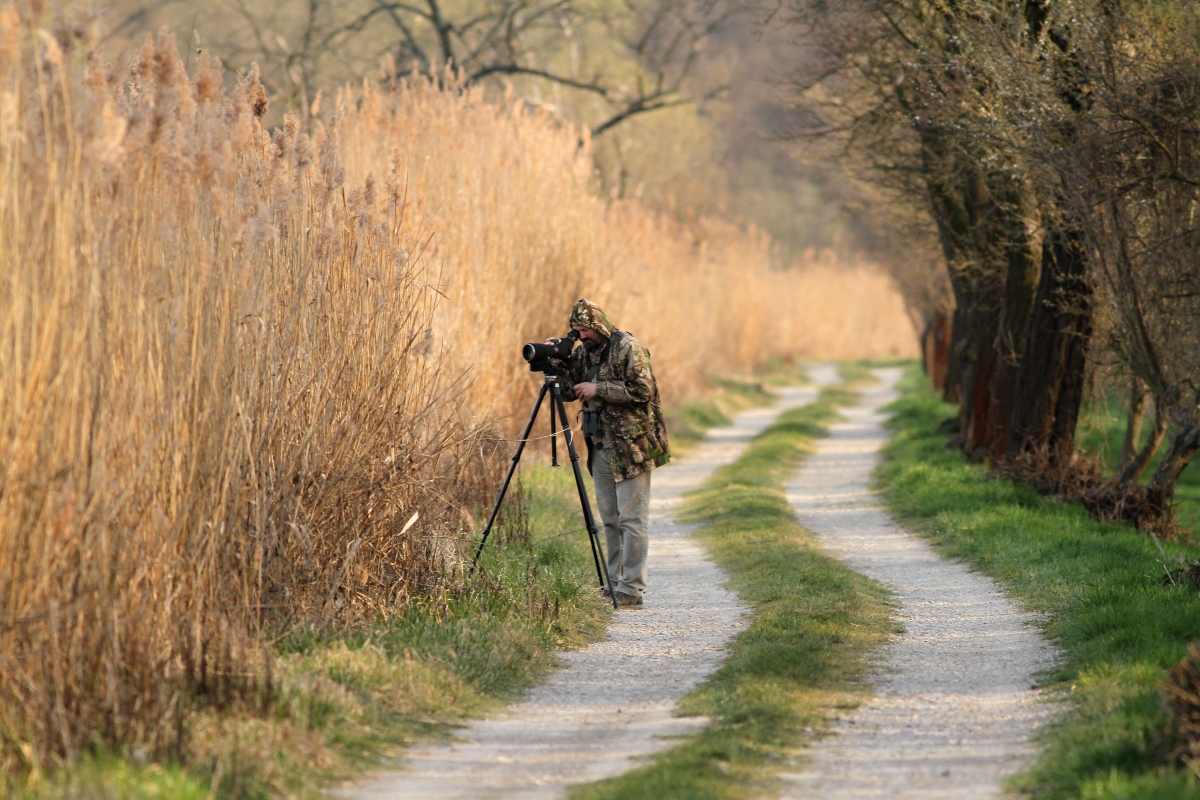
(952, 202)
(1023, 263)
(935, 349)
(975, 410)
(1181, 452)
(1133, 424)
(1134, 462)
(1050, 381)
(964, 209)
(956, 356)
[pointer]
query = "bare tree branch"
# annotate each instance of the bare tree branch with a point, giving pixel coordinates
(593, 86)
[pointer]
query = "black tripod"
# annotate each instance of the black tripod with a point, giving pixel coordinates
(550, 386)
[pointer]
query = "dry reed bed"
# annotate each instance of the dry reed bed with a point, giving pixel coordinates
(220, 406)
(504, 190)
(238, 392)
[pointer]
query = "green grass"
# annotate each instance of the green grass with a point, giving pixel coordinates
(858, 373)
(107, 778)
(348, 697)
(806, 652)
(1099, 587)
(1101, 433)
(688, 422)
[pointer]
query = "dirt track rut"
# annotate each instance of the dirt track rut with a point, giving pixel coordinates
(955, 708)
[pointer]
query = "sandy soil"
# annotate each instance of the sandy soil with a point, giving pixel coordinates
(955, 707)
(613, 701)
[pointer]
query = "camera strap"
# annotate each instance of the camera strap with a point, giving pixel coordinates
(591, 419)
(605, 354)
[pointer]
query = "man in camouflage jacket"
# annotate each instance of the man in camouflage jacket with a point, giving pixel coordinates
(623, 425)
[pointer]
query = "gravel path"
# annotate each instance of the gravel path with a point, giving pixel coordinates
(614, 699)
(954, 709)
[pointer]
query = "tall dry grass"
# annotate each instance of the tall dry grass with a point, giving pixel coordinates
(221, 403)
(239, 391)
(504, 190)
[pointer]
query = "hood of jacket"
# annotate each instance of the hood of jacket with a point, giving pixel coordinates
(587, 314)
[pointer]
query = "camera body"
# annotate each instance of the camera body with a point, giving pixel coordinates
(541, 357)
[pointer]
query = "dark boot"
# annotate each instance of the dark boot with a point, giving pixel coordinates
(628, 600)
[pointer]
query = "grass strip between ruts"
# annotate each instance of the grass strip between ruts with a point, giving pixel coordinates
(689, 422)
(1100, 587)
(813, 626)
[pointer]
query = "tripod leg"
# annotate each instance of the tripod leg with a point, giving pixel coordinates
(588, 520)
(508, 479)
(553, 439)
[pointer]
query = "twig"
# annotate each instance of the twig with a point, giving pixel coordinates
(1163, 553)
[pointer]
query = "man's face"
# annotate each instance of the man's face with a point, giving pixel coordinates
(587, 335)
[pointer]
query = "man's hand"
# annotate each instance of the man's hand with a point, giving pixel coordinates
(585, 391)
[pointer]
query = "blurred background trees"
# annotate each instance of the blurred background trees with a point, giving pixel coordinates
(686, 99)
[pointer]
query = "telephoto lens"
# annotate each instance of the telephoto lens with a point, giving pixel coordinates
(540, 355)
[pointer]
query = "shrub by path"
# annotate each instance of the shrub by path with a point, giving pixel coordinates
(614, 700)
(955, 708)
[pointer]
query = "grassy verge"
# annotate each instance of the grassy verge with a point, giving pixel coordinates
(346, 698)
(1098, 585)
(805, 653)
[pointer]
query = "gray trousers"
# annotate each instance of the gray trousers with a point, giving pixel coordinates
(625, 510)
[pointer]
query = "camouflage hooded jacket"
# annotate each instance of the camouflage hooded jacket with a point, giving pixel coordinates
(631, 420)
